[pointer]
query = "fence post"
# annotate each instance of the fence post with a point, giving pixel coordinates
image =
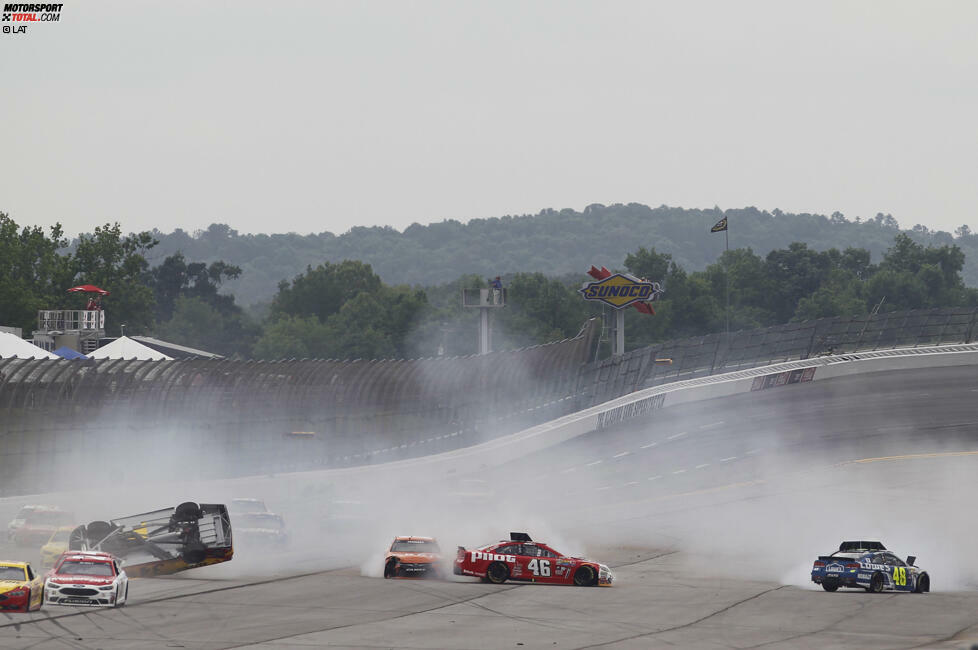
(971, 328)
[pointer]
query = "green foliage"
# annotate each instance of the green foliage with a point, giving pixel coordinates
(117, 263)
(555, 242)
(199, 324)
(32, 274)
(347, 313)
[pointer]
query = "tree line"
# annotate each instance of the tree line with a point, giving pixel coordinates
(345, 310)
(554, 242)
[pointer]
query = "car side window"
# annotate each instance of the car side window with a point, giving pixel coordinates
(893, 560)
(509, 549)
(30, 572)
(879, 558)
(115, 565)
(546, 552)
(531, 550)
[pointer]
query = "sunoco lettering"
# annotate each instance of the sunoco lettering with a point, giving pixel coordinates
(626, 291)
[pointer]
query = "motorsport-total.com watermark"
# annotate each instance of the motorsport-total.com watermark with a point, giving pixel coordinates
(18, 16)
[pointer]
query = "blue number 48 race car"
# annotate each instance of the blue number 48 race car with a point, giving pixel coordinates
(869, 566)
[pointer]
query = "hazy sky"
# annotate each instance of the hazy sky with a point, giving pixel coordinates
(313, 116)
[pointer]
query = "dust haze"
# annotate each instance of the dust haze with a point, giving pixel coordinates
(754, 486)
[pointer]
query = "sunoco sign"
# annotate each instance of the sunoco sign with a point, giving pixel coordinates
(619, 290)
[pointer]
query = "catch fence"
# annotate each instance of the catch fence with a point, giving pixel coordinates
(228, 417)
(718, 353)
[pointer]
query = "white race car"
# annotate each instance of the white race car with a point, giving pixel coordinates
(87, 579)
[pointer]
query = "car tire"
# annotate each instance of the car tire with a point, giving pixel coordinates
(923, 584)
(877, 583)
(585, 576)
(390, 568)
(497, 573)
(830, 586)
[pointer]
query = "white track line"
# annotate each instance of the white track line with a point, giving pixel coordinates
(712, 424)
(624, 453)
(651, 444)
(568, 470)
(594, 463)
(678, 435)
(655, 478)
(723, 460)
(679, 471)
(702, 466)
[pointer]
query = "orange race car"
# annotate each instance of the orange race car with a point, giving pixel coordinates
(413, 557)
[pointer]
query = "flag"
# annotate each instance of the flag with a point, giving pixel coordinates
(721, 225)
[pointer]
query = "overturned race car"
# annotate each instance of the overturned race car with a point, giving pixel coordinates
(163, 541)
(520, 558)
(868, 565)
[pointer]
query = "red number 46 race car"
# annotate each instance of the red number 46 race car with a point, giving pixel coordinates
(520, 558)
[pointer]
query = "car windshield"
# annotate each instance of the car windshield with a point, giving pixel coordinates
(48, 518)
(259, 520)
(85, 568)
(26, 510)
(13, 573)
(415, 546)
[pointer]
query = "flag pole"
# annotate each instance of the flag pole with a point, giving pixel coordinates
(726, 277)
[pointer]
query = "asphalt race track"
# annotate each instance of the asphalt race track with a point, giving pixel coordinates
(709, 513)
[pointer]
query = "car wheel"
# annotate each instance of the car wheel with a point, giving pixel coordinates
(877, 583)
(497, 573)
(119, 602)
(585, 576)
(923, 584)
(390, 569)
(830, 586)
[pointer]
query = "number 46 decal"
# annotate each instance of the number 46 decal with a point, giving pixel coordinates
(539, 567)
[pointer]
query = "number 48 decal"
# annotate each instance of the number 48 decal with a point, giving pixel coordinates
(539, 567)
(900, 576)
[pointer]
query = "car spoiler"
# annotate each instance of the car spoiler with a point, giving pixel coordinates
(860, 545)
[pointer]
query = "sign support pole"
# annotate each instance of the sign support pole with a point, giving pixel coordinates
(485, 334)
(619, 333)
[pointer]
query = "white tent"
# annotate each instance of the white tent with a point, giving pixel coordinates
(12, 346)
(125, 348)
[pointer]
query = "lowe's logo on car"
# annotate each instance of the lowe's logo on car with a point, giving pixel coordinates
(495, 557)
(619, 290)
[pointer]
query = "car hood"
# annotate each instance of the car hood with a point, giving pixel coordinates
(417, 558)
(7, 585)
(81, 580)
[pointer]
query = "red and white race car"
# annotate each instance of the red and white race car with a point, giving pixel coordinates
(520, 558)
(88, 579)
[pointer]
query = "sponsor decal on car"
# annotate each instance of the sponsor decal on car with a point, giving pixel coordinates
(834, 568)
(494, 557)
(864, 576)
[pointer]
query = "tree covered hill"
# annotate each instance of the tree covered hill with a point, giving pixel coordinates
(552, 242)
